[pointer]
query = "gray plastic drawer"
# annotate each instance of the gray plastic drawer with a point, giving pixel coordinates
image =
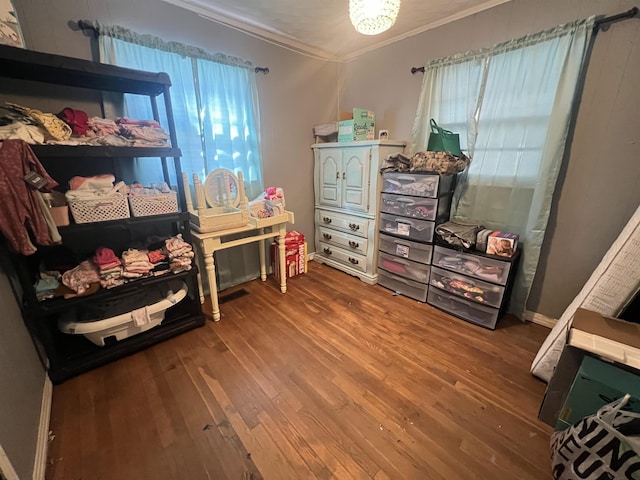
(403, 267)
(472, 312)
(408, 288)
(421, 230)
(414, 207)
(417, 185)
(467, 287)
(418, 252)
(476, 266)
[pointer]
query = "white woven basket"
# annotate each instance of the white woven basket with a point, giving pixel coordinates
(145, 205)
(99, 210)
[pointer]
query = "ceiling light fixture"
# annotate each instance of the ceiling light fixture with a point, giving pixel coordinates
(371, 17)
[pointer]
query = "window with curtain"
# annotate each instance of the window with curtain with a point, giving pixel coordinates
(214, 105)
(512, 106)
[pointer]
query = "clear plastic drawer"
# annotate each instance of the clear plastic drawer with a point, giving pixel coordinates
(472, 312)
(417, 185)
(477, 266)
(414, 207)
(403, 267)
(418, 252)
(408, 288)
(421, 230)
(467, 287)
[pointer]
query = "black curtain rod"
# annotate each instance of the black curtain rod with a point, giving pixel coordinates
(601, 24)
(87, 26)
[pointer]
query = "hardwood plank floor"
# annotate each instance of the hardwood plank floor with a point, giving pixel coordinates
(335, 379)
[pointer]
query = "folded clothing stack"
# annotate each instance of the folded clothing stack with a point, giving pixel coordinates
(179, 252)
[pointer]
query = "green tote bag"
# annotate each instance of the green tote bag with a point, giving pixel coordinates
(441, 140)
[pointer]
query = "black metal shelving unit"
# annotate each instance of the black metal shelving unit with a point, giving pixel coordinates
(66, 355)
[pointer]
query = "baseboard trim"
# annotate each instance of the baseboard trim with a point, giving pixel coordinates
(540, 319)
(42, 447)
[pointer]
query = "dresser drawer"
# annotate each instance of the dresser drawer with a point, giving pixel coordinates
(414, 207)
(478, 314)
(400, 247)
(403, 267)
(408, 288)
(467, 287)
(417, 185)
(347, 223)
(347, 241)
(352, 259)
(421, 230)
(477, 266)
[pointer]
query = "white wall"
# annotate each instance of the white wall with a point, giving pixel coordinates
(598, 189)
(22, 380)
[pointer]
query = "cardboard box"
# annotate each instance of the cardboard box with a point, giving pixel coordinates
(295, 255)
(357, 125)
(592, 334)
(597, 383)
(503, 244)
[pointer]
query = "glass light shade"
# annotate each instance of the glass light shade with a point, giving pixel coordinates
(371, 17)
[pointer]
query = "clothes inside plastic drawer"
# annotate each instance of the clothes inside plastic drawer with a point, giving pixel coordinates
(408, 288)
(415, 207)
(400, 247)
(411, 184)
(478, 314)
(403, 267)
(467, 287)
(421, 230)
(477, 266)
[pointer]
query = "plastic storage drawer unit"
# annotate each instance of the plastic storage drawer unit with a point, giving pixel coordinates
(417, 185)
(481, 267)
(400, 247)
(408, 288)
(469, 288)
(421, 230)
(403, 267)
(467, 310)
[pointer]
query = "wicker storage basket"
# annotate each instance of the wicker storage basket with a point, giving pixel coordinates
(145, 205)
(99, 209)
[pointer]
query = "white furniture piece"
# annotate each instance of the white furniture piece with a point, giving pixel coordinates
(257, 230)
(347, 191)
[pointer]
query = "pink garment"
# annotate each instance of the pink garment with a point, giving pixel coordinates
(105, 258)
(80, 278)
(92, 183)
(19, 210)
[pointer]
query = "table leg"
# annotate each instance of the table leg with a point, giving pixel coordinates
(283, 266)
(263, 265)
(213, 287)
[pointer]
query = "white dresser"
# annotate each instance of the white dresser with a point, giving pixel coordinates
(347, 184)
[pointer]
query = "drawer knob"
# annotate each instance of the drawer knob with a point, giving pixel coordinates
(326, 236)
(327, 251)
(353, 261)
(326, 219)
(353, 244)
(354, 226)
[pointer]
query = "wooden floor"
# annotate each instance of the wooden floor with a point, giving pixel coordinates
(335, 379)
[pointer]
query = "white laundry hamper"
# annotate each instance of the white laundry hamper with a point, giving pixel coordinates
(122, 326)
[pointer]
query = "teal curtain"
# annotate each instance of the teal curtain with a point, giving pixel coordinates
(215, 105)
(512, 105)
(215, 108)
